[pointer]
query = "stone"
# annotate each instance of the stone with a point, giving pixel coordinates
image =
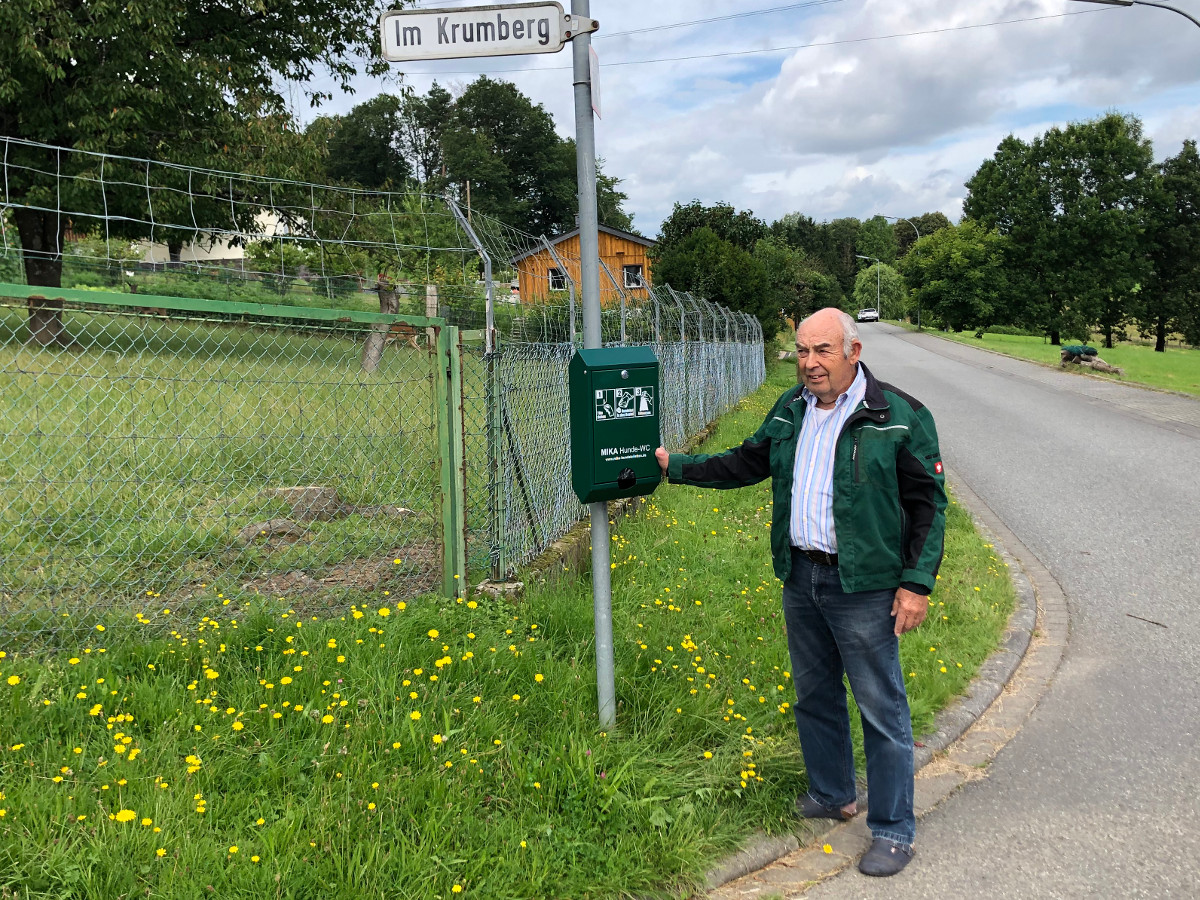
(509, 590)
(313, 503)
(273, 530)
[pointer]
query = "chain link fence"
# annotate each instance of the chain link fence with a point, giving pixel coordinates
(247, 385)
(167, 454)
(710, 358)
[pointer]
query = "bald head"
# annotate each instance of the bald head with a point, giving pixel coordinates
(827, 350)
(832, 317)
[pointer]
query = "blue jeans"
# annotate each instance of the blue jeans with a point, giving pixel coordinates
(830, 632)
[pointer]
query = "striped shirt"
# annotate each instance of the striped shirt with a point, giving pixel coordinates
(811, 526)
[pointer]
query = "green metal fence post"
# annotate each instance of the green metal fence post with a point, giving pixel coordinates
(495, 426)
(448, 392)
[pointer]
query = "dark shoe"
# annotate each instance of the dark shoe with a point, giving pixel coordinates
(884, 858)
(808, 808)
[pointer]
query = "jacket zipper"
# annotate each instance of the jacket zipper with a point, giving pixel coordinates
(854, 459)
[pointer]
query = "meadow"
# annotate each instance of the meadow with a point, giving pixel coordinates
(1176, 369)
(435, 748)
(136, 457)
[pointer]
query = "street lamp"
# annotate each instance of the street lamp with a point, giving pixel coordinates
(1188, 16)
(878, 276)
(918, 231)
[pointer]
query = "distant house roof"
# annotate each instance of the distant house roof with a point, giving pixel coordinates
(566, 236)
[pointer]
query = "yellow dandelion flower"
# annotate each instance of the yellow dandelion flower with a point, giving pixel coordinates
(539, 677)
(384, 611)
(254, 859)
(415, 714)
(125, 815)
(238, 726)
(233, 848)
(14, 679)
(433, 633)
(160, 852)
(326, 718)
(828, 848)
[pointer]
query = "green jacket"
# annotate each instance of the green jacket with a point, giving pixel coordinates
(889, 496)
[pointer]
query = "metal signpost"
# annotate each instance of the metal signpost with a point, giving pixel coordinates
(519, 28)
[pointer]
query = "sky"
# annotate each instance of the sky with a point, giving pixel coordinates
(839, 108)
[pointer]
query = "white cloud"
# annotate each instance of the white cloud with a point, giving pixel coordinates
(858, 126)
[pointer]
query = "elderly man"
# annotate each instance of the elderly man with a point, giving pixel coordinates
(856, 534)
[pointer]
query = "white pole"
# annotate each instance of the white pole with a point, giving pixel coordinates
(589, 257)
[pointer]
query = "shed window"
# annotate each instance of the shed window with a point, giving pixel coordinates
(633, 276)
(558, 279)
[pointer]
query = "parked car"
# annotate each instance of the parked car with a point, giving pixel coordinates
(868, 315)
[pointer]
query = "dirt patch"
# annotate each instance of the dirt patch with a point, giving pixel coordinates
(418, 571)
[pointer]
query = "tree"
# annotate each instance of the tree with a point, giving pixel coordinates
(926, 224)
(958, 275)
(797, 230)
(721, 272)
(155, 79)
(610, 199)
(1170, 299)
(876, 239)
(422, 120)
(883, 288)
(839, 243)
(796, 285)
(1071, 203)
(739, 227)
(364, 146)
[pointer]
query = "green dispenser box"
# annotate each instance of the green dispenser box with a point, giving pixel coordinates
(614, 395)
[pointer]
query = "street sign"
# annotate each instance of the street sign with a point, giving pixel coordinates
(471, 31)
(594, 70)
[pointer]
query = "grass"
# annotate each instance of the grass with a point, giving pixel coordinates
(1176, 369)
(434, 748)
(136, 457)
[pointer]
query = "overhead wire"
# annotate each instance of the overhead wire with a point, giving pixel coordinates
(782, 49)
(742, 15)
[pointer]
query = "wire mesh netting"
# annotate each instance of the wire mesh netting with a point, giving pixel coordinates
(709, 359)
(162, 453)
(154, 445)
(116, 223)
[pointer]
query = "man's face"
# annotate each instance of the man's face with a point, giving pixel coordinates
(819, 360)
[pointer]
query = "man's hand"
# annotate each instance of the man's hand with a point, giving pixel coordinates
(909, 610)
(663, 458)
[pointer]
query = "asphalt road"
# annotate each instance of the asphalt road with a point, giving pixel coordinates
(1099, 794)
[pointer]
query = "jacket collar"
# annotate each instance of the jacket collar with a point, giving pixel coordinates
(874, 403)
(873, 398)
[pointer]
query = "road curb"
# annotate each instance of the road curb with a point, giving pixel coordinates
(967, 734)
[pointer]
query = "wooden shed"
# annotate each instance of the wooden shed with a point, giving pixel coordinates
(540, 279)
